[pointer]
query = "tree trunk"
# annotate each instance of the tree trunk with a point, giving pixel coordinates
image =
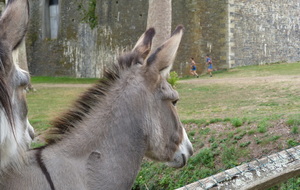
(160, 17)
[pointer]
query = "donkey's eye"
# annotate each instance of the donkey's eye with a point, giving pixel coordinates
(174, 102)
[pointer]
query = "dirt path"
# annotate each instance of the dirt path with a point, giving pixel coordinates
(204, 80)
(47, 85)
(244, 80)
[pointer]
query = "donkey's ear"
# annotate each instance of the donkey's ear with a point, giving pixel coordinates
(143, 45)
(13, 23)
(163, 57)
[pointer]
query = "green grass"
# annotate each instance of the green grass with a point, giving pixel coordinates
(45, 104)
(262, 70)
(62, 80)
(242, 115)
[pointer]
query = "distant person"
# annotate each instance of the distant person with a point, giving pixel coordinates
(210, 66)
(193, 68)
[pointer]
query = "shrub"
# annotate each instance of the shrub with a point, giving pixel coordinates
(192, 133)
(236, 122)
(173, 78)
(262, 127)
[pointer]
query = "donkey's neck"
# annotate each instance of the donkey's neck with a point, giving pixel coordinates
(111, 145)
(117, 163)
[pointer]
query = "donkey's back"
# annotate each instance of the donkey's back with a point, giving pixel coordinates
(33, 175)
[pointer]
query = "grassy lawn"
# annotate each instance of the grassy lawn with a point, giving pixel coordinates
(233, 117)
(62, 80)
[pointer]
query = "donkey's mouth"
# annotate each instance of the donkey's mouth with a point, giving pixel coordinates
(178, 162)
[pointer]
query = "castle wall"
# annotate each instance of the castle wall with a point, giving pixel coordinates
(264, 31)
(233, 32)
(80, 51)
(206, 33)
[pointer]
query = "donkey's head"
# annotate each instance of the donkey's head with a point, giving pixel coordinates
(15, 130)
(167, 140)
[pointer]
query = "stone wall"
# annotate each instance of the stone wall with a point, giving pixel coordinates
(80, 51)
(264, 31)
(233, 32)
(206, 33)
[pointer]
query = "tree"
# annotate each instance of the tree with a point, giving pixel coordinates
(160, 17)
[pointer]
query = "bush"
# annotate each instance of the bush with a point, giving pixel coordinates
(262, 127)
(236, 122)
(173, 78)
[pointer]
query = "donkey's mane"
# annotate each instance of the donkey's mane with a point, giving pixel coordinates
(82, 106)
(5, 101)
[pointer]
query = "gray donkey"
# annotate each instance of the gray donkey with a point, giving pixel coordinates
(101, 141)
(15, 131)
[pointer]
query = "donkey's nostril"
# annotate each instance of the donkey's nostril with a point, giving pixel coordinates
(183, 160)
(191, 151)
(31, 134)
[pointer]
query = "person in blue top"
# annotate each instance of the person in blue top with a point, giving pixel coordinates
(210, 66)
(193, 68)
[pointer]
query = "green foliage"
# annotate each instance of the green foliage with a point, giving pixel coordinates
(251, 132)
(290, 184)
(293, 122)
(89, 14)
(262, 127)
(214, 145)
(295, 129)
(62, 80)
(275, 138)
(258, 140)
(212, 139)
(229, 156)
(200, 105)
(194, 121)
(204, 157)
(236, 122)
(192, 133)
(216, 120)
(173, 78)
(204, 131)
(292, 143)
(245, 144)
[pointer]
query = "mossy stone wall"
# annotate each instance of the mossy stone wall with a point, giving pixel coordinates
(233, 32)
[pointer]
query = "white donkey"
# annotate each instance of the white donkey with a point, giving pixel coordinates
(15, 131)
